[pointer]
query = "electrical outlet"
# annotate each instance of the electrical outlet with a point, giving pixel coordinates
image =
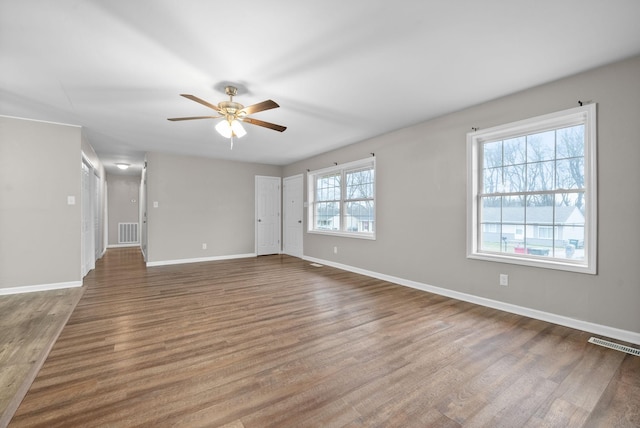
(504, 279)
(204, 246)
(335, 250)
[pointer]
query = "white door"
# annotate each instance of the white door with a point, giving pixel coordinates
(292, 207)
(267, 215)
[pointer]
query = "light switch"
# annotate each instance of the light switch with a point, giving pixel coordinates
(71, 200)
(155, 204)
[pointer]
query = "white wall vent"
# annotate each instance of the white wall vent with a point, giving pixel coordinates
(127, 233)
(616, 346)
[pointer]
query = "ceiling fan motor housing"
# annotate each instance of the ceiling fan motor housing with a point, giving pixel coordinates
(230, 108)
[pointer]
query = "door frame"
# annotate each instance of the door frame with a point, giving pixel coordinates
(87, 216)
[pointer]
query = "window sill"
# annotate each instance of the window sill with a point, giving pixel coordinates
(369, 236)
(539, 262)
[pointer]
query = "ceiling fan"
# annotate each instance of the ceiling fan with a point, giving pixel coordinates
(234, 113)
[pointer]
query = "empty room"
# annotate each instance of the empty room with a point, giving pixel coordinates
(319, 214)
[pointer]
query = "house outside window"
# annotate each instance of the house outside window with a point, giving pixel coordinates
(532, 192)
(342, 200)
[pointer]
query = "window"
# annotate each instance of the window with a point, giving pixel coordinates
(546, 232)
(342, 200)
(532, 191)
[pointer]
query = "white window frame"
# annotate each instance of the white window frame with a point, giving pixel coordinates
(579, 115)
(342, 170)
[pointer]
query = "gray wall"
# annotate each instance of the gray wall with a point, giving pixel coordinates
(39, 231)
(123, 202)
(421, 204)
(200, 201)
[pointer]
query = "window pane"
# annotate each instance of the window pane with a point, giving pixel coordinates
(359, 184)
(359, 216)
(570, 173)
(502, 224)
(513, 224)
(539, 225)
(570, 142)
(541, 146)
(490, 220)
(515, 151)
(327, 216)
(570, 222)
(540, 176)
(328, 187)
(492, 154)
(492, 180)
(514, 178)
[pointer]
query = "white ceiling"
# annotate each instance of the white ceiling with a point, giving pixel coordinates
(342, 71)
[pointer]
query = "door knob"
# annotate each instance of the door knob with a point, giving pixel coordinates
(259, 220)
(299, 221)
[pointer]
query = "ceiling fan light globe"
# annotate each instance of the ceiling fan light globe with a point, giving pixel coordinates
(238, 129)
(224, 128)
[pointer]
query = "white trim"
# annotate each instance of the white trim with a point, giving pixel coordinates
(39, 287)
(603, 330)
(41, 121)
(137, 244)
(556, 264)
(349, 165)
(200, 259)
(89, 163)
(359, 235)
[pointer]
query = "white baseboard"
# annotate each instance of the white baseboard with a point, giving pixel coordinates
(39, 287)
(123, 245)
(200, 259)
(603, 330)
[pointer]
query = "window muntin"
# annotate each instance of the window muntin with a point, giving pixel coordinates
(529, 185)
(343, 199)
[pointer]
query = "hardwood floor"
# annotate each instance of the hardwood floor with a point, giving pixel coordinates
(275, 342)
(29, 326)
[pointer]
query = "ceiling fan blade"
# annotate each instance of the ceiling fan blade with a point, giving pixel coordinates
(264, 105)
(173, 119)
(269, 125)
(201, 101)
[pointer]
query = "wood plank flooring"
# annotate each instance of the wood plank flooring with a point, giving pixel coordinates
(275, 342)
(29, 326)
